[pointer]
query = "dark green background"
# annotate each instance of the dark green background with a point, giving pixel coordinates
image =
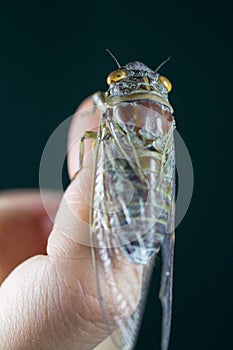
(53, 55)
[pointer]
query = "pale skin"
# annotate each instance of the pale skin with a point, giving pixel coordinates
(48, 298)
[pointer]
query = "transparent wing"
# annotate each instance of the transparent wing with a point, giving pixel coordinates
(167, 249)
(129, 220)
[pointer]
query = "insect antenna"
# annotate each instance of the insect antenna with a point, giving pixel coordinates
(118, 64)
(162, 64)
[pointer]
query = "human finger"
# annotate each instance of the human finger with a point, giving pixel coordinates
(24, 226)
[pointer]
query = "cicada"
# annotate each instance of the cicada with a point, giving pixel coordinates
(132, 200)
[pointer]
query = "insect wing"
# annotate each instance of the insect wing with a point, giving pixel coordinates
(123, 218)
(167, 249)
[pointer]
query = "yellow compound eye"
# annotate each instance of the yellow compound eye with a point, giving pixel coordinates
(166, 83)
(116, 76)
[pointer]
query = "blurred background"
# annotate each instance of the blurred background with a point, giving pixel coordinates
(53, 56)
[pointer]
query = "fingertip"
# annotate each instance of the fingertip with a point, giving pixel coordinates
(72, 220)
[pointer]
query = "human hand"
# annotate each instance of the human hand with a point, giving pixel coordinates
(48, 297)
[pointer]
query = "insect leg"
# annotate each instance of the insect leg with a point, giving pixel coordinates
(86, 136)
(165, 293)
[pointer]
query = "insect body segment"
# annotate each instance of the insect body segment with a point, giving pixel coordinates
(133, 196)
